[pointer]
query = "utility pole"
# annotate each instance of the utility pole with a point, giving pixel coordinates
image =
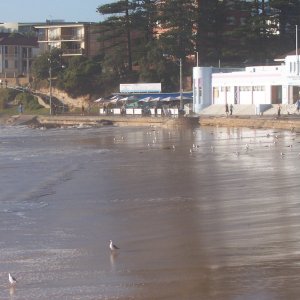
(50, 85)
(180, 85)
(297, 57)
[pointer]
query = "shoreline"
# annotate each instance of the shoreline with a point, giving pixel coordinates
(94, 120)
(285, 122)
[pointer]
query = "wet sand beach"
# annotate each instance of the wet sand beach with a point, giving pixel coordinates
(198, 213)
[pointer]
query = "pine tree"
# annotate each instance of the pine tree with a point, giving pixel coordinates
(176, 17)
(286, 14)
(117, 26)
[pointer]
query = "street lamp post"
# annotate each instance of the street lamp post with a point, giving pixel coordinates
(297, 57)
(50, 86)
(180, 80)
(180, 83)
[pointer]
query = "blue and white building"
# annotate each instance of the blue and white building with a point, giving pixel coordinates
(256, 86)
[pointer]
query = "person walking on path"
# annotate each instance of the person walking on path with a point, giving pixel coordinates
(279, 110)
(20, 108)
(298, 106)
(226, 109)
(231, 109)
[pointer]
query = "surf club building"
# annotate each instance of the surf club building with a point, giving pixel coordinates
(257, 88)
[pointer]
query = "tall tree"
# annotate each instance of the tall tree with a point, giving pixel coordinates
(286, 15)
(176, 20)
(118, 25)
(74, 79)
(41, 65)
(144, 18)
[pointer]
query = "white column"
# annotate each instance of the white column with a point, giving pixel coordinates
(202, 88)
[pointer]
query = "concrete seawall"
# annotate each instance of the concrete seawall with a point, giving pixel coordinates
(284, 122)
(52, 121)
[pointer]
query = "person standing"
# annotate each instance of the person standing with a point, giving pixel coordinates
(298, 106)
(20, 108)
(226, 109)
(231, 109)
(279, 110)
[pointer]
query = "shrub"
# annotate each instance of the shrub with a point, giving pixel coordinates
(6, 96)
(30, 102)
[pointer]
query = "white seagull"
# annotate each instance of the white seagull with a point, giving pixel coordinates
(12, 280)
(112, 246)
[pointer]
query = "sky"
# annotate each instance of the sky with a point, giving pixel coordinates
(40, 10)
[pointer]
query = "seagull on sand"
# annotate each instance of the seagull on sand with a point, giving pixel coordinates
(12, 280)
(112, 246)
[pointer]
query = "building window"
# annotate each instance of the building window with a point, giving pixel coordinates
(245, 88)
(230, 20)
(24, 52)
(216, 92)
(5, 49)
(243, 21)
(259, 88)
(225, 89)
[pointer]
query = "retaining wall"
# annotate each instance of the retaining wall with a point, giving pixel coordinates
(258, 122)
(113, 120)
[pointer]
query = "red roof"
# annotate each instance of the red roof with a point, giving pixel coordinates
(283, 56)
(17, 39)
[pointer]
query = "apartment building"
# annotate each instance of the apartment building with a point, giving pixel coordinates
(75, 39)
(16, 54)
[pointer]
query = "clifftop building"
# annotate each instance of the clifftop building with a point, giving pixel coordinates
(75, 39)
(16, 54)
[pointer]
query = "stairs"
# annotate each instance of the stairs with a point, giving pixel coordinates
(250, 110)
(286, 109)
(238, 109)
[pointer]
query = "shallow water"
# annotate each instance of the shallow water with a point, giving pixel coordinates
(199, 213)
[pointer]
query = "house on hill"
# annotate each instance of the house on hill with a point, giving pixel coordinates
(74, 38)
(16, 54)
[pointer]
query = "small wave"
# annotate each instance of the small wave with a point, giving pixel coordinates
(19, 208)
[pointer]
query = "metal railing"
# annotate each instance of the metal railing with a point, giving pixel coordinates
(63, 37)
(72, 51)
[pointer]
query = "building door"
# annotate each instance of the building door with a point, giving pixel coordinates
(296, 94)
(236, 95)
(276, 94)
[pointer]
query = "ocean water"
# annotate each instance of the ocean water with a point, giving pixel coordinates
(198, 213)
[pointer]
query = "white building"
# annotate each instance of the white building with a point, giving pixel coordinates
(257, 85)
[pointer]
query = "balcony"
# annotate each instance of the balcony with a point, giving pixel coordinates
(72, 52)
(64, 37)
